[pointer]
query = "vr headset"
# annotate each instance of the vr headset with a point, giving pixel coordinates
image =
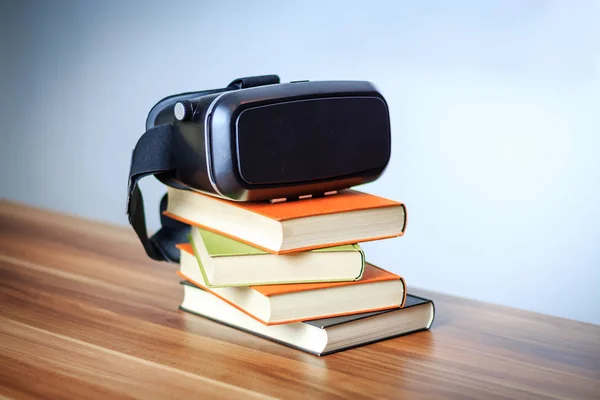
(258, 140)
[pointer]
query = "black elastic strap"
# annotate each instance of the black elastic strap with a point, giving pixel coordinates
(252, 81)
(153, 155)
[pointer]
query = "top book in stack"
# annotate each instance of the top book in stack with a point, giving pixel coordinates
(345, 218)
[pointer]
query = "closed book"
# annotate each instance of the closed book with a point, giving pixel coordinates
(377, 289)
(345, 218)
(227, 262)
(321, 336)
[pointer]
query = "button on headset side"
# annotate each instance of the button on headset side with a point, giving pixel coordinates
(183, 110)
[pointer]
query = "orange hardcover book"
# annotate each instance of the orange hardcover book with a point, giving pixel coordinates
(378, 289)
(345, 218)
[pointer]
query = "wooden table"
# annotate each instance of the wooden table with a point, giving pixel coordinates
(85, 314)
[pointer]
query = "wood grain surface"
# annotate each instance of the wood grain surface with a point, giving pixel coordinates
(85, 314)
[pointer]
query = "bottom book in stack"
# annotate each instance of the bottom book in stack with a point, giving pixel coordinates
(319, 318)
(319, 336)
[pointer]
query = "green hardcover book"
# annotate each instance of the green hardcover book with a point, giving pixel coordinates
(227, 262)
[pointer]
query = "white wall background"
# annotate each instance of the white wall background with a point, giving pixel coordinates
(495, 117)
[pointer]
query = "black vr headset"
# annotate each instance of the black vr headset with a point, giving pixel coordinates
(258, 140)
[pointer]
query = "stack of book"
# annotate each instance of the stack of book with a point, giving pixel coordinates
(294, 272)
